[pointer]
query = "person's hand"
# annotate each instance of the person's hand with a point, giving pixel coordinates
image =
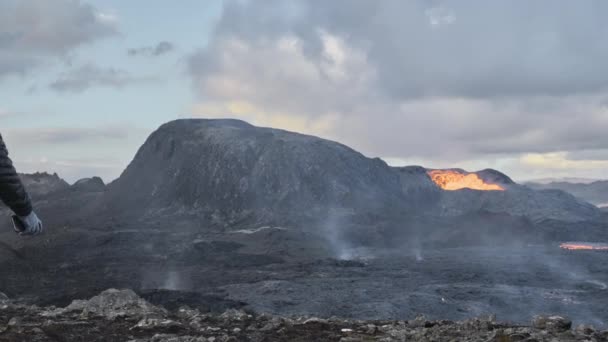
(27, 225)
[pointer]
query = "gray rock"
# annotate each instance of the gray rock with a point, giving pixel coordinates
(115, 303)
(585, 330)
(235, 315)
(157, 323)
(4, 300)
(552, 323)
(172, 338)
(14, 321)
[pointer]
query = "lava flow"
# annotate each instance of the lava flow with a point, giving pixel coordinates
(454, 180)
(584, 246)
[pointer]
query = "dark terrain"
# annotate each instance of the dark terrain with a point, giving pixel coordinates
(219, 214)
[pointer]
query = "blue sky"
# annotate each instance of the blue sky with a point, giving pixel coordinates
(520, 88)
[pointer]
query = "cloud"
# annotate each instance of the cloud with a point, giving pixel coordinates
(74, 152)
(67, 135)
(442, 81)
(157, 50)
(561, 160)
(82, 78)
(35, 32)
(6, 113)
(485, 50)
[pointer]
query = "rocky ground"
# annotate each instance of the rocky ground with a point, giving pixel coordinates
(120, 315)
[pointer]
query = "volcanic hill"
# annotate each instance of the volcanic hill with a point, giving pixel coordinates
(232, 172)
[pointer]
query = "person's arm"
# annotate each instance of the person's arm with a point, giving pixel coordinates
(12, 191)
(13, 194)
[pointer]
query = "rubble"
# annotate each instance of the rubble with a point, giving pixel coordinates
(552, 323)
(121, 315)
(111, 304)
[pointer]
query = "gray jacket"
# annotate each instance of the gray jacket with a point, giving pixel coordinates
(12, 191)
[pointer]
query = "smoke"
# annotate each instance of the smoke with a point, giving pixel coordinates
(339, 231)
(171, 279)
(481, 264)
(418, 254)
(333, 231)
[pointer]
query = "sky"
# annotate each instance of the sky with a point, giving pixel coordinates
(521, 87)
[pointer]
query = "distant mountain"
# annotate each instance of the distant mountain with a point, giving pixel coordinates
(595, 192)
(561, 180)
(42, 183)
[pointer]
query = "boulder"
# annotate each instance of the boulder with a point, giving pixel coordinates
(552, 323)
(114, 303)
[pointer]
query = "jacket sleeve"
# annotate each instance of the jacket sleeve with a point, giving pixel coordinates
(12, 191)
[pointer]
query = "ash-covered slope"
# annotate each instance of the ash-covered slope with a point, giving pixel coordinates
(594, 192)
(231, 171)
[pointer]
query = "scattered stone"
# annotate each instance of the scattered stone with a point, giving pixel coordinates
(14, 321)
(114, 303)
(4, 298)
(157, 323)
(187, 313)
(314, 320)
(235, 315)
(583, 329)
(172, 338)
(420, 322)
(552, 323)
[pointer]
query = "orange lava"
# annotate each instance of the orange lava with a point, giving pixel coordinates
(579, 246)
(454, 180)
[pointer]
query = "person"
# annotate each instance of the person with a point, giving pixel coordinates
(14, 195)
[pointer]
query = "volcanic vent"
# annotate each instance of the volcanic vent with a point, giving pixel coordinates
(456, 179)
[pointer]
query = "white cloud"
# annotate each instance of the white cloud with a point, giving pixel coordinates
(559, 160)
(439, 16)
(455, 83)
(66, 135)
(89, 75)
(39, 32)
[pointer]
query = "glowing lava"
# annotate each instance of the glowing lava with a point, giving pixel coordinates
(584, 246)
(454, 180)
